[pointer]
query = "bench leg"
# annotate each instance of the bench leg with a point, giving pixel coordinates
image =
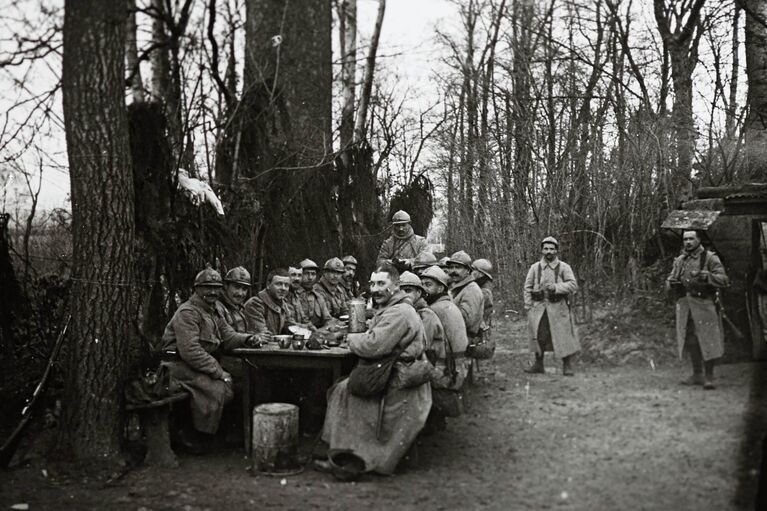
(247, 406)
(159, 452)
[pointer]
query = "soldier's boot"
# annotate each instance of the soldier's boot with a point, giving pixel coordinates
(697, 365)
(537, 367)
(708, 384)
(567, 366)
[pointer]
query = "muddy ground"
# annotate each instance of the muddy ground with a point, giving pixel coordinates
(626, 437)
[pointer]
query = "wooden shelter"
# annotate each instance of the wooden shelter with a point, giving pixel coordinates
(735, 221)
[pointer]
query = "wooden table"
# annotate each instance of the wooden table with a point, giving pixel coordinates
(272, 357)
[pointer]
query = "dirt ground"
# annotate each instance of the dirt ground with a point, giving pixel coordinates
(608, 438)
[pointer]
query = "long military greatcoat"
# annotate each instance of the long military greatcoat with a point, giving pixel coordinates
(467, 295)
(350, 422)
(702, 309)
(454, 329)
(564, 336)
(194, 332)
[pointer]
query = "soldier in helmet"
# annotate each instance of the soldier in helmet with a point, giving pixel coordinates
(403, 246)
(423, 261)
(329, 287)
(467, 295)
(483, 276)
(411, 285)
(548, 286)
(450, 364)
(196, 333)
(313, 306)
(235, 292)
(349, 282)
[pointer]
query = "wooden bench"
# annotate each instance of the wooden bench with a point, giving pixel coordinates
(154, 421)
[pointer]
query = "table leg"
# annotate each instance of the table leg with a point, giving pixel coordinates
(247, 406)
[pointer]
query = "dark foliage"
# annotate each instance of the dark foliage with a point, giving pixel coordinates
(417, 199)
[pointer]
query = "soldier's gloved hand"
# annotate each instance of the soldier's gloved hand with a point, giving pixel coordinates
(227, 378)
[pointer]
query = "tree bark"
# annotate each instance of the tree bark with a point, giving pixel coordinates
(756, 69)
(103, 296)
(348, 67)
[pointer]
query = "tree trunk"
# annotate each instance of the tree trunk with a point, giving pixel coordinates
(286, 144)
(367, 84)
(756, 69)
(160, 61)
(103, 297)
(131, 55)
(348, 16)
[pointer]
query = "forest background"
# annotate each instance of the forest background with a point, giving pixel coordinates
(587, 119)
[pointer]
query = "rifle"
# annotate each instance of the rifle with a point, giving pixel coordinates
(9, 447)
(735, 330)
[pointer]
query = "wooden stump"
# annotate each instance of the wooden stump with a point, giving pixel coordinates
(275, 437)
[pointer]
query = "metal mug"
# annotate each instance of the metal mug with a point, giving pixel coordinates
(357, 316)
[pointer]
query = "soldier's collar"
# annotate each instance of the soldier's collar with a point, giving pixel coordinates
(199, 302)
(269, 301)
(553, 264)
(695, 253)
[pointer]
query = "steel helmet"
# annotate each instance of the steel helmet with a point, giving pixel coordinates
(423, 260)
(400, 217)
(436, 274)
(461, 258)
(308, 264)
(550, 239)
(238, 275)
(334, 264)
(484, 266)
(443, 262)
(410, 279)
(208, 277)
(350, 260)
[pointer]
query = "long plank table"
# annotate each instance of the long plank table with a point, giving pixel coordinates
(271, 356)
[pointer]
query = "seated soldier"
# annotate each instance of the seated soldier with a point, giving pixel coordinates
(313, 306)
(198, 335)
(268, 313)
(329, 287)
(349, 282)
(294, 294)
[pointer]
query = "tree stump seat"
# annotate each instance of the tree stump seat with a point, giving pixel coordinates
(153, 416)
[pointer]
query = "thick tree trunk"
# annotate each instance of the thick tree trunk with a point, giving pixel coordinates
(348, 67)
(756, 69)
(103, 297)
(286, 127)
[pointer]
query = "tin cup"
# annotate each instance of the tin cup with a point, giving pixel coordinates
(298, 344)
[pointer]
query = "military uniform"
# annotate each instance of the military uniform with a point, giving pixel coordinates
(196, 333)
(314, 308)
(333, 296)
(264, 314)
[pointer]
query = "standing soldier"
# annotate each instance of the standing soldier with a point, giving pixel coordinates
(196, 333)
(695, 277)
(548, 287)
(483, 276)
(403, 246)
(349, 282)
(329, 287)
(467, 295)
(313, 306)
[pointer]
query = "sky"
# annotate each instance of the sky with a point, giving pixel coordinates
(407, 47)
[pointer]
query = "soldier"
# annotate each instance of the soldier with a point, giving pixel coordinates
(423, 261)
(294, 294)
(548, 287)
(467, 295)
(411, 285)
(268, 313)
(483, 276)
(196, 333)
(403, 246)
(329, 287)
(451, 367)
(349, 282)
(695, 277)
(313, 306)
(235, 292)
